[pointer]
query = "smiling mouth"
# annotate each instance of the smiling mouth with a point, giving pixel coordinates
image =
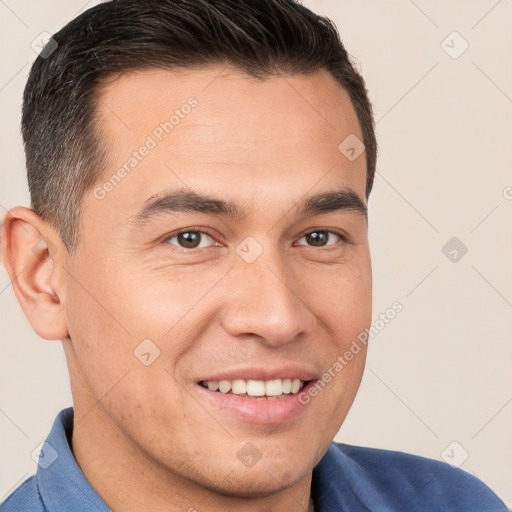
(276, 388)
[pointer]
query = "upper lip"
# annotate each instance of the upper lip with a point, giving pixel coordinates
(289, 371)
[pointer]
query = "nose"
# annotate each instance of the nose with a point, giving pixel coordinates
(266, 299)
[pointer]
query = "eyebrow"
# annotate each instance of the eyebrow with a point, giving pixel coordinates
(183, 200)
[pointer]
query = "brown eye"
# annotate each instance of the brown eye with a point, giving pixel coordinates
(321, 238)
(189, 239)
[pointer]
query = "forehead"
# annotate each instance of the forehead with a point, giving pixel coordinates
(217, 129)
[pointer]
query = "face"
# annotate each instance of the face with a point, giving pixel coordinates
(169, 294)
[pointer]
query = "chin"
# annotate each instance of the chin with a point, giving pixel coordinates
(264, 479)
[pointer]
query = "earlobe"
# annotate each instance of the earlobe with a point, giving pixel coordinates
(29, 249)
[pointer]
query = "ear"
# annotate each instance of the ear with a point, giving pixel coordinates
(29, 249)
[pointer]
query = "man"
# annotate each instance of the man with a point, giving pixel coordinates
(199, 174)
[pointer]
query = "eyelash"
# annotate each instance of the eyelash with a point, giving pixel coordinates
(343, 237)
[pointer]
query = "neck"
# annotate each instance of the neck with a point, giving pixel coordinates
(128, 480)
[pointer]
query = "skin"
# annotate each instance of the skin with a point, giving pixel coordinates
(143, 435)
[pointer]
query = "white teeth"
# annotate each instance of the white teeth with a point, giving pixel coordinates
(257, 388)
(239, 387)
(274, 387)
(295, 385)
(224, 386)
(213, 385)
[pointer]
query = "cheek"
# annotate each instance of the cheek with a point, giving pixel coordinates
(101, 343)
(345, 307)
(155, 301)
(344, 302)
(132, 384)
(105, 325)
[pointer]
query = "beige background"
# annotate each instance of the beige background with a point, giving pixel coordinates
(440, 371)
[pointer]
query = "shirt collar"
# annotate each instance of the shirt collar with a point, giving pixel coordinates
(60, 480)
(330, 487)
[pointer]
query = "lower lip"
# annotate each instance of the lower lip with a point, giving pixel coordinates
(261, 410)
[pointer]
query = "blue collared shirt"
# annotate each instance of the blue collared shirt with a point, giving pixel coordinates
(347, 478)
